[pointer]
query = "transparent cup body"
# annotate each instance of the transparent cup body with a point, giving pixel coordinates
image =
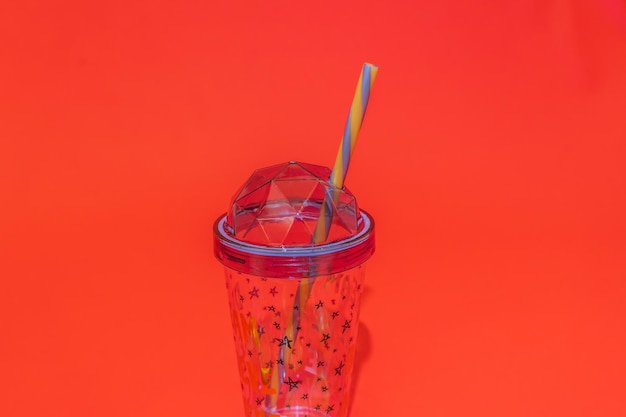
(294, 305)
(295, 341)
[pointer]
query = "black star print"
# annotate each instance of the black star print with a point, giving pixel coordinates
(333, 301)
(277, 325)
(273, 291)
(268, 364)
(319, 378)
(325, 337)
(324, 388)
(248, 280)
(298, 328)
(346, 326)
(264, 279)
(343, 297)
(352, 306)
(292, 384)
(250, 353)
(241, 298)
(320, 363)
(284, 341)
(279, 362)
(254, 293)
(271, 308)
(299, 362)
(329, 408)
(305, 396)
(335, 314)
(296, 308)
(319, 406)
(259, 401)
(308, 345)
(261, 331)
(319, 305)
(338, 369)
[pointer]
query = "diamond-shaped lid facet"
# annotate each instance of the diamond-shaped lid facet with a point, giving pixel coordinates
(280, 206)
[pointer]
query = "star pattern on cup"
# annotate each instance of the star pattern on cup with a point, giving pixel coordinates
(285, 341)
(339, 368)
(346, 326)
(315, 371)
(292, 384)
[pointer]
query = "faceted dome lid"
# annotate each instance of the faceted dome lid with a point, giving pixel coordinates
(280, 206)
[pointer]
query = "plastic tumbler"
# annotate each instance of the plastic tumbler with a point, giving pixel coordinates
(294, 304)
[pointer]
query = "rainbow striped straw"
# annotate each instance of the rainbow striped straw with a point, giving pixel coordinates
(340, 169)
(322, 228)
(346, 147)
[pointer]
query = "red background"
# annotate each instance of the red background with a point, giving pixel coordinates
(492, 158)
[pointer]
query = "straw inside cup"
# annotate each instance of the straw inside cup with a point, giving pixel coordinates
(337, 179)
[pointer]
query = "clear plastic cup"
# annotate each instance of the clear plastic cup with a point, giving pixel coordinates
(294, 304)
